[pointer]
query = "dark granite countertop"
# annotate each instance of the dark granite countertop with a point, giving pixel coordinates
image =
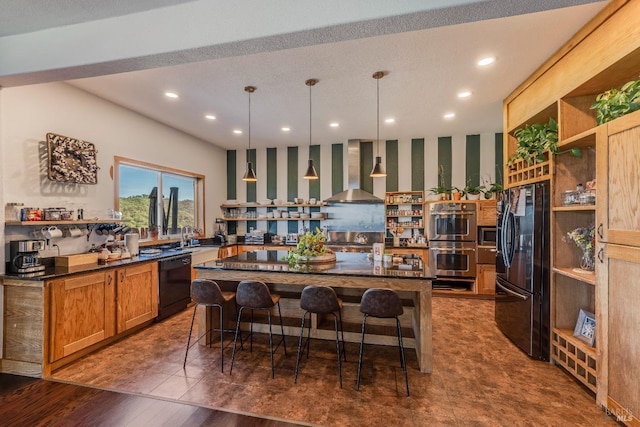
(52, 272)
(346, 264)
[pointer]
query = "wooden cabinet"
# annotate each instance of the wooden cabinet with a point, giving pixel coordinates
(486, 279)
(137, 295)
(618, 268)
(595, 60)
(487, 212)
(227, 251)
(82, 312)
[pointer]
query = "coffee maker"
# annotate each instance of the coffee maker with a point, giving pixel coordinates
(220, 237)
(24, 256)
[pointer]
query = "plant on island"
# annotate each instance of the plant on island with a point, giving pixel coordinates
(309, 245)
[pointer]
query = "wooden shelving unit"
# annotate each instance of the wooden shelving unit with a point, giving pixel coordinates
(404, 210)
(575, 356)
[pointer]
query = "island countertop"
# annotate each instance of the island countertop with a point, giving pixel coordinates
(349, 271)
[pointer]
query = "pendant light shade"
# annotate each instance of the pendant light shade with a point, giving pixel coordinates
(311, 170)
(378, 170)
(250, 174)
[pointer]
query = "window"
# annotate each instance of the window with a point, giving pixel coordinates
(157, 197)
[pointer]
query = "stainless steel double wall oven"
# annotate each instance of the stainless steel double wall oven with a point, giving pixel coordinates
(452, 232)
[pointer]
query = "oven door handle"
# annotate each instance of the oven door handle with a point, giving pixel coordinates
(453, 249)
(510, 292)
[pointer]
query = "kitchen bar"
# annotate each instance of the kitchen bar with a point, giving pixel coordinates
(350, 271)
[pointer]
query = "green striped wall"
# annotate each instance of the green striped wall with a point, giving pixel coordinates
(337, 175)
(409, 165)
(472, 161)
(391, 166)
(417, 164)
(445, 159)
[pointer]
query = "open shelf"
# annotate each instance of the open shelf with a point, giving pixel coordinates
(70, 222)
(572, 208)
(570, 272)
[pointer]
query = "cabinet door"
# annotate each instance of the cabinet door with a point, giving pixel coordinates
(618, 193)
(486, 279)
(227, 251)
(82, 312)
(618, 323)
(487, 212)
(137, 295)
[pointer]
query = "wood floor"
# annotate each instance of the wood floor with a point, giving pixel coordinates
(34, 402)
(479, 379)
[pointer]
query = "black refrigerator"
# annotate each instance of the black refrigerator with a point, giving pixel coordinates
(522, 267)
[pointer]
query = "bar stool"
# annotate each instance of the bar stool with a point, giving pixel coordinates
(207, 293)
(256, 296)
(320, 300)
(382, 303)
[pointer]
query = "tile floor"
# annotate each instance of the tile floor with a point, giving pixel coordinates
(479, 378)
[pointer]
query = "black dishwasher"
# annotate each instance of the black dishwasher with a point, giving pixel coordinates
(174, 275)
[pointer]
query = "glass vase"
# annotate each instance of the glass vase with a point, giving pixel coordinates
(588, 261)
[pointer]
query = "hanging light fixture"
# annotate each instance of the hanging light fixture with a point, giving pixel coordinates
(249, 175)
(311, 170)
(378, 171)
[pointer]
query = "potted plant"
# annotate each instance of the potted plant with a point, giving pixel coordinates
(535, 139)
(441, 190)
(472, 192)
(456, 193)
(615, 103)
(492, 190)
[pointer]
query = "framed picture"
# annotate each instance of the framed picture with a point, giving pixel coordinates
(71, 160)
(585, 329)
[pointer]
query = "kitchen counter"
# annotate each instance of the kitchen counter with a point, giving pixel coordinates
(52, 272)
(350, 275)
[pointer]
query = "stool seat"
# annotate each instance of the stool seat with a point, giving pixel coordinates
(320, 300)
(208, 293)
(255, 295)
(382, 303)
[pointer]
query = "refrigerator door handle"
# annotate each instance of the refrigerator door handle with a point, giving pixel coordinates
(510, 292)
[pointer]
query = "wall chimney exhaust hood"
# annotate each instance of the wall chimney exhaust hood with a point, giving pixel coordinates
(353, 194)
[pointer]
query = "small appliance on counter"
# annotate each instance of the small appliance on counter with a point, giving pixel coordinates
(220, 237)
(257, 238)
(24, 256)
(291, 239)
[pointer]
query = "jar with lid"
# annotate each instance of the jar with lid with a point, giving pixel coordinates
(12, 211)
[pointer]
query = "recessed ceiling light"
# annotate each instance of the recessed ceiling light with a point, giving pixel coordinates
(210, 117)
(334, 124)
(464, 94)
(286, 129)
(449, 116)
(171, 95)
(237, 131)
(486, 61)
(390, 120)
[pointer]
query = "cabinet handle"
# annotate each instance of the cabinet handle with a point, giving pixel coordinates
(110, 279)
(600, 231)
(122, 276)
(600, 255)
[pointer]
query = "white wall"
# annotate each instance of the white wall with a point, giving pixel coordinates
(28, 113)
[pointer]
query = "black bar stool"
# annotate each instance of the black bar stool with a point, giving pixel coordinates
(321, 300)
(256, 296)
(207, 293)
(382, 303)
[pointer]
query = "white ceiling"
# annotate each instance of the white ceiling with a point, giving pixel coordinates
(426, 69)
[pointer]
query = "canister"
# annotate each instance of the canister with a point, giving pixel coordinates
(131, 242)
(378, 251)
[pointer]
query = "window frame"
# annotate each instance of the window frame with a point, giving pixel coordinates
(199, 202)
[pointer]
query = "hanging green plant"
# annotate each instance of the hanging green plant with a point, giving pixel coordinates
(615, 103)
(535, 139)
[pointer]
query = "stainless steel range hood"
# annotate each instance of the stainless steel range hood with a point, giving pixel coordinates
(353, 194)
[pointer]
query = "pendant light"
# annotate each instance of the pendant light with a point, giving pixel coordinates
(249, 175)
(378, 171)
(311, 170)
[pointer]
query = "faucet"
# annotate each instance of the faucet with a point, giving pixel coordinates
(186, 233)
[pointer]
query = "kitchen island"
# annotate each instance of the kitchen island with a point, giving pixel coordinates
(350, 275)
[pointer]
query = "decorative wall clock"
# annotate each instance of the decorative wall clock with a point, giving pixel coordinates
(71, 160)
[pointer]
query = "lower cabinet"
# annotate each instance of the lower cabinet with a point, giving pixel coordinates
(137, 295)
(82, 312)
(486, 279)
(227, 251)
(89, 308)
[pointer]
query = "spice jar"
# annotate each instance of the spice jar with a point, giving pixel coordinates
(12, 211)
